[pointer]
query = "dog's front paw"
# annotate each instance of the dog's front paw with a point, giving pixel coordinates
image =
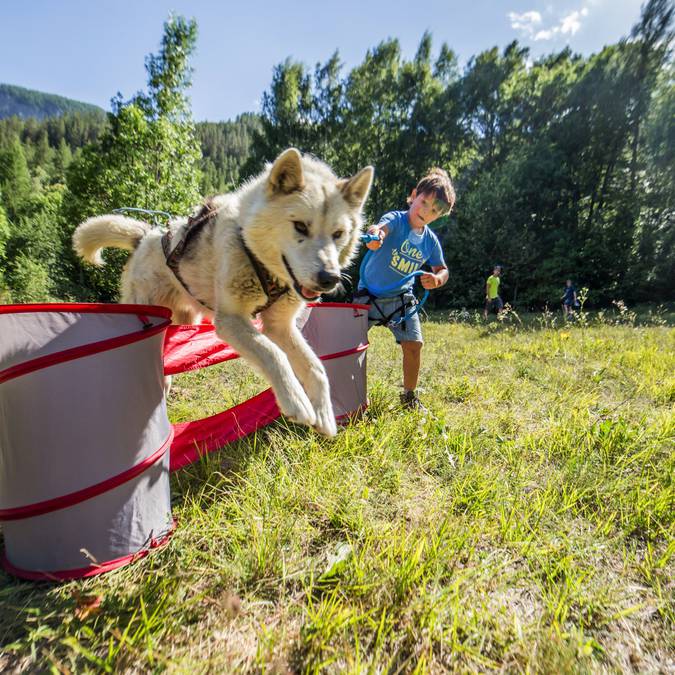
(318, 390)
(325, 419)
(296, 406)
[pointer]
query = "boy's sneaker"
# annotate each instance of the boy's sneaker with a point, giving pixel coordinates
(410, 400)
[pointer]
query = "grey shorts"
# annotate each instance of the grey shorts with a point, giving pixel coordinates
(494, 305)
(409, 330)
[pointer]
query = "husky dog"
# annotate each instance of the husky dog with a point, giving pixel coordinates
(277, 242)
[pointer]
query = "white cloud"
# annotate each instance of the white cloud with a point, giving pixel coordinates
(545, 34)
(572, 22)
(529, 24)
(525, 22)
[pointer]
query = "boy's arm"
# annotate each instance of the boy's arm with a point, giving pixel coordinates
(438, 278)
(382, 230)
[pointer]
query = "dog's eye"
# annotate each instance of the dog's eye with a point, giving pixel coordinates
(337, 235)
(301, 228)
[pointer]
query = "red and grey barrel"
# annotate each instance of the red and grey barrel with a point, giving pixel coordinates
(84, 437)
(338, 333)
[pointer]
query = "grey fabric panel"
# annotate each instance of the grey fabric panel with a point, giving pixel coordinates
(29, 335)
(330, 330)
(75, 424)
(110, 526)
(347, 377)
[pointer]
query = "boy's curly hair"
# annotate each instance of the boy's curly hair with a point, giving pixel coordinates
(437, 182)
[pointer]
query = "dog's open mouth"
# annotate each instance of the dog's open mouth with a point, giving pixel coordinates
(304, 292)
(307, 293)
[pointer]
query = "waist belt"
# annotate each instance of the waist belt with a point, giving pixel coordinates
(388, 319)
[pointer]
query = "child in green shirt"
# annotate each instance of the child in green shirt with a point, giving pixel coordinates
(492, 300)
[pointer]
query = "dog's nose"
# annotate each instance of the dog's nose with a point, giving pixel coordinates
(327, 280)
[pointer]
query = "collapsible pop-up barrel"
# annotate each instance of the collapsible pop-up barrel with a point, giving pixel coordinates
(84, 437)
(338, 333)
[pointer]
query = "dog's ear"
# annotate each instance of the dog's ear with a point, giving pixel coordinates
(286, 175)
(355, 189)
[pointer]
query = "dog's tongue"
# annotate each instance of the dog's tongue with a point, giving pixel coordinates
(307, 294)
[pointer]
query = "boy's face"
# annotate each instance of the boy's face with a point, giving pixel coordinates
(424, 209)
(496, 272)
(568, 282)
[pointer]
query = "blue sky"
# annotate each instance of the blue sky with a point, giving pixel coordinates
(89, 50)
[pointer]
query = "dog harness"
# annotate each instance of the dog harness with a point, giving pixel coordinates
(271, 286)
(194, 226)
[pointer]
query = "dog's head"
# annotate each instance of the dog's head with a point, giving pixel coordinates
(307, 225)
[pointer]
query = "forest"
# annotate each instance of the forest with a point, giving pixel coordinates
(564, 166)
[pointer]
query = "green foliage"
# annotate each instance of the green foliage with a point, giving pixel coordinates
(15, 180)
(28, 279)
(148, 157)
(563, 167)
(226, 146)
(4, 237)
(34, 250)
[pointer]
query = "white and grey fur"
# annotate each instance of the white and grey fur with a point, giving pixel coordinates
(266, 211)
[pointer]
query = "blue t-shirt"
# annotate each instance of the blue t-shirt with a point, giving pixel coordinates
(569, 294)
(403, 251)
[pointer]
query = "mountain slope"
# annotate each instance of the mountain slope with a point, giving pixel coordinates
(30, 103)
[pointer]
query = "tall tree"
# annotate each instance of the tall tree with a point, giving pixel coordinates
(646, 56)
(148, 157)
(15, 181)
(287, 113)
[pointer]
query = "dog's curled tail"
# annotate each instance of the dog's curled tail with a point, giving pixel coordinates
(109, 231)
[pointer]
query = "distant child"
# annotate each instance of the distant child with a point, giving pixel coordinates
(492, 300)
(569, 298)
(405, 244)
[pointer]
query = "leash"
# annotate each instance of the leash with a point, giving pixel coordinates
(149, 212)
(378, 292)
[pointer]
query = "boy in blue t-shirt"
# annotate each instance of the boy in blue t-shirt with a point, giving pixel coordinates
(406, 243)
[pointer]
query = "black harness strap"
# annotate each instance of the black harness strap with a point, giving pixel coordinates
(270, 285)
(386, 318)
(194, 226)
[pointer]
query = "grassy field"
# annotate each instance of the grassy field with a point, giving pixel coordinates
(525, 524)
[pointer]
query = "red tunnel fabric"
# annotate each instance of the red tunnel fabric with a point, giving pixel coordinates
(189, 348)
(194, 439)
(193, 347)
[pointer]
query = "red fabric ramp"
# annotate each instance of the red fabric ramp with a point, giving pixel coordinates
(193, 439)
(338, 334)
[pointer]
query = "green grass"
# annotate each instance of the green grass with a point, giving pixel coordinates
(525, 525)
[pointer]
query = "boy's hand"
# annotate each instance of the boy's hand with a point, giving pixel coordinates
(374, 245)
(430, 281)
